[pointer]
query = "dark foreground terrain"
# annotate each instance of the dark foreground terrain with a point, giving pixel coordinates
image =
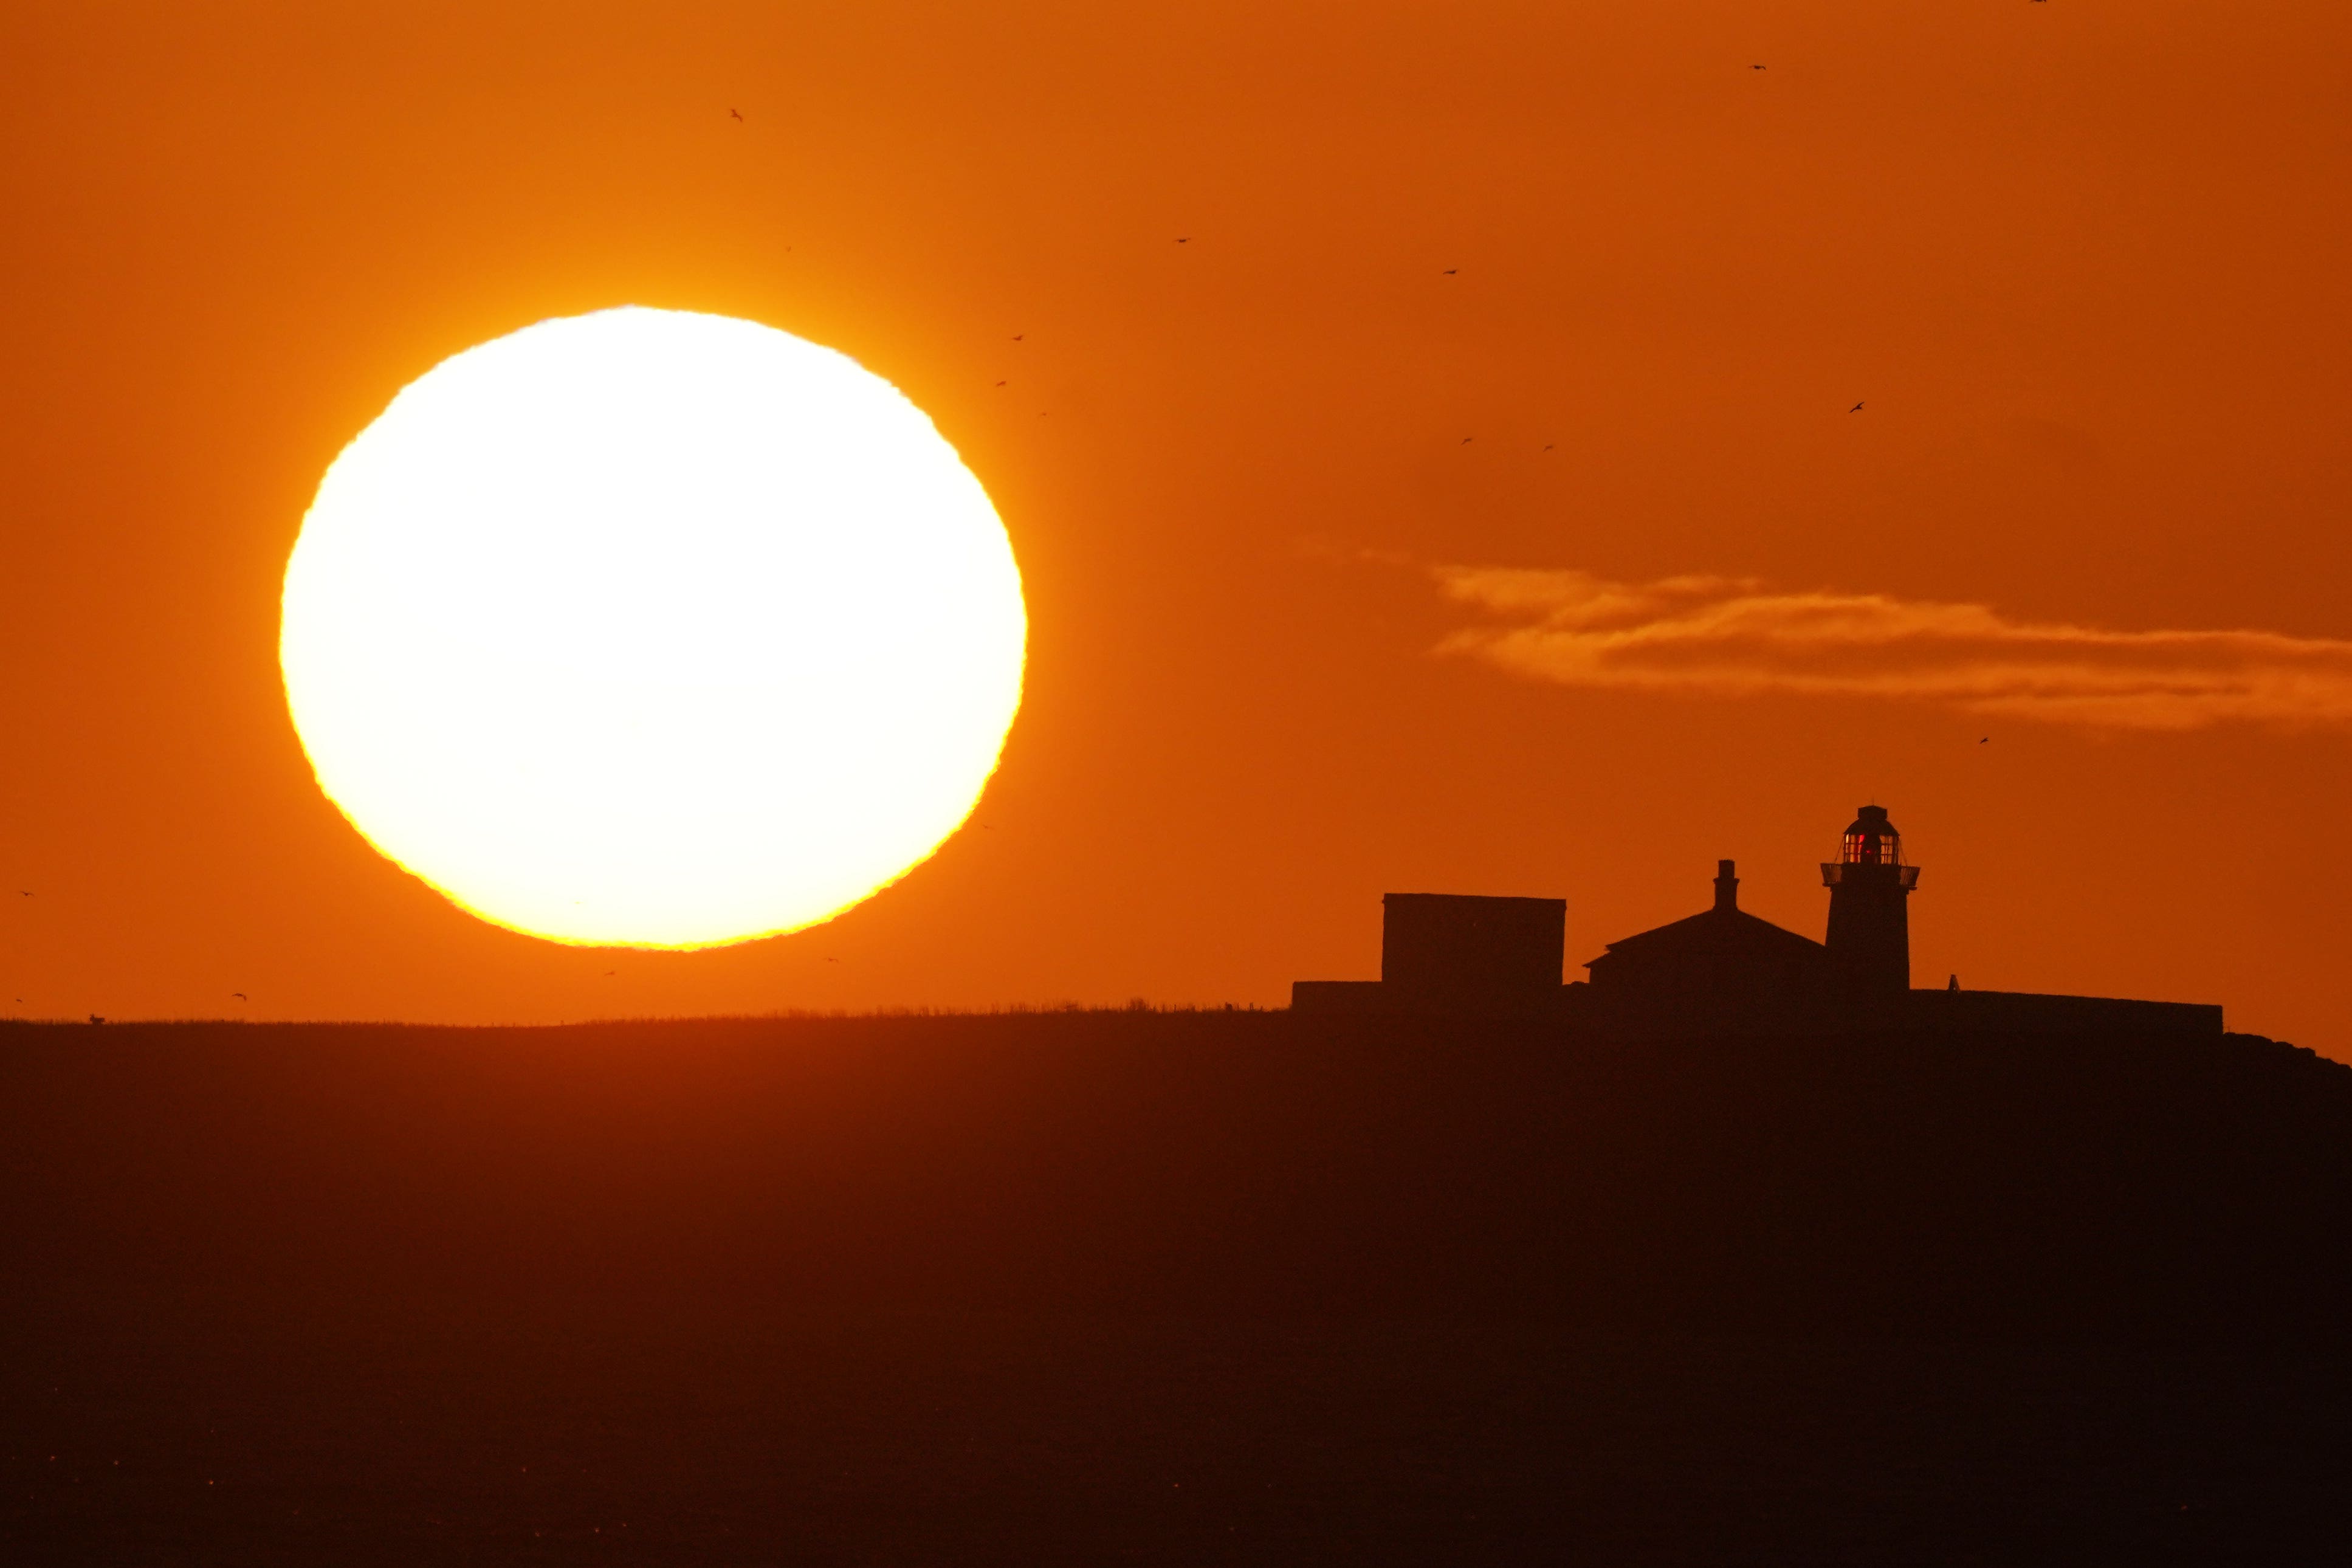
(1170, 1289)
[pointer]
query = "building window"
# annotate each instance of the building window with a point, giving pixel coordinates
(1873, 849)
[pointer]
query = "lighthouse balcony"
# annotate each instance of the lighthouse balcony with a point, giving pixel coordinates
(1836, 872)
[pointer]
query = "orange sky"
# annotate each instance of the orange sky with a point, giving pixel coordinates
(2083, 262)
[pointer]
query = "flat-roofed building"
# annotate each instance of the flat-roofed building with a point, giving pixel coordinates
(1453, 952)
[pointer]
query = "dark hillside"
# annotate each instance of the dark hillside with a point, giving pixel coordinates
(1175, 1289)
(1203, 1163)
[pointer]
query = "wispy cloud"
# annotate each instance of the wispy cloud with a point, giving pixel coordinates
(1727, 638)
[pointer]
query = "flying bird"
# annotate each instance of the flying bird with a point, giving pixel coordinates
(1855, 409)
(1451, 270)
(1186, 239)
(238, 994)
(1547, 445)
(1000, 383)
(1756, 67)
(1984, 740)
(1018, 336)
(1467, 439)
(736, 112)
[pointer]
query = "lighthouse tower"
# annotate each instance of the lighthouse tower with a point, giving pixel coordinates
(1870, 924)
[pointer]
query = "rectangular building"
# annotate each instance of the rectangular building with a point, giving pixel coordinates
(1454, 954)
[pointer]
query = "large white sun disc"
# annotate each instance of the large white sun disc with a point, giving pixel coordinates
(653, 628)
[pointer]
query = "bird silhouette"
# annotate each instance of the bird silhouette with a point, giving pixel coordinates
(1018, 336)
(1000, 383)
(1184, 239)
(1984, 740)
(736, 112)
(1547, 445)
(238, 994)
(1855, 409)
(1450, 271)
(1467, 439)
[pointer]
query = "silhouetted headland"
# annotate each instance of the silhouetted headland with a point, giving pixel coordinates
(1739, 1252)
(1169, 1288)
(1729, 1128)
(2113, 1185)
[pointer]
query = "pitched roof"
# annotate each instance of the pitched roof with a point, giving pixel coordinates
(1715, 934)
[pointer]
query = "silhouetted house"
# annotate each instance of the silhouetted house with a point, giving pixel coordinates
(1726, 968)
(1716, 967)
(1722, 969)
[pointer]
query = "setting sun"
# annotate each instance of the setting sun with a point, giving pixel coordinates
(652, 630)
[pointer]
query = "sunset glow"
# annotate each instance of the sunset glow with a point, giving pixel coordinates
(652, 630)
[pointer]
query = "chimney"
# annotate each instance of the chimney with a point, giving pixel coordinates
(1726, 887)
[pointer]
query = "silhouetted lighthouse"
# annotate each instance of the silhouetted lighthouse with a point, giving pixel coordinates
(1870, 925)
